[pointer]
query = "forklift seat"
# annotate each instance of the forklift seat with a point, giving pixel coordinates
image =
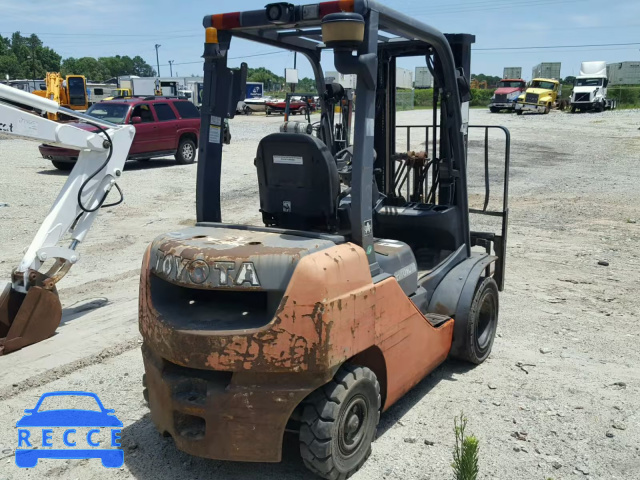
(298, 182)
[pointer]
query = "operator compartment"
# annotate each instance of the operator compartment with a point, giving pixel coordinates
(211, 278)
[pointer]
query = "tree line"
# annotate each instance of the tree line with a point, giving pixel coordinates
(275, 83)
(27, 57)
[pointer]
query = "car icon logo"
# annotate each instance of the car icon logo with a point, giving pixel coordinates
(83, 432)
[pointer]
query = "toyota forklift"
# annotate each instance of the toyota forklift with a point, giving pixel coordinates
(364, 277)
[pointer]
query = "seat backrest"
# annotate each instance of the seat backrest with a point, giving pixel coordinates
(298, 182)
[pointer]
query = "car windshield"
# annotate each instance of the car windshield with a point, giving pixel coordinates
(542, 84)
(69, 402)
(111, 112)
(588, 82)
(506, 84)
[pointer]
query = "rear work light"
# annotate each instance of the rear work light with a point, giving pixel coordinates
(319, 10)
(226, 21)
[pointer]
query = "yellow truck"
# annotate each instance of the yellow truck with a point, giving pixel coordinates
(540, 96)
(119, 92)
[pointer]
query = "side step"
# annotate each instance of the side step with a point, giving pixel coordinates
(436, 320)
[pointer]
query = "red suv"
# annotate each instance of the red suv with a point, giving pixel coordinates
(164, 126)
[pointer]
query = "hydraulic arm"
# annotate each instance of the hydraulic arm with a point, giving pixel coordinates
(30, 310)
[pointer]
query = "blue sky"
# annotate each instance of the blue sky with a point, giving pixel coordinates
(132, 27)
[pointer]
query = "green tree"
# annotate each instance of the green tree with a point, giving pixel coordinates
(26, 57)
(118, 65)
(570, 80)
(142, 68)
(91, 68)
(492, 80)
(272, 82)
(9, 64)
(306, 85)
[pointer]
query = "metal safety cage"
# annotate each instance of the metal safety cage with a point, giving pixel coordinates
(296, 28)
(414, 178)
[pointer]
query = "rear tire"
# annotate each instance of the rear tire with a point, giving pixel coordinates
(64, 166)
(186, 153)
(481, 323)
(339, 422)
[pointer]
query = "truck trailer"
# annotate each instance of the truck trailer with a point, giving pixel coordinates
(590, 89)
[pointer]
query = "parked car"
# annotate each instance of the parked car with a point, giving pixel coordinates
(164, 126)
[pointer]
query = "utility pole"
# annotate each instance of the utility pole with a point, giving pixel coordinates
(295, 66)
(157, 58)
(171, 68)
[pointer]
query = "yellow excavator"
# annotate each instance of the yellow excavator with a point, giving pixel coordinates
(68, 92)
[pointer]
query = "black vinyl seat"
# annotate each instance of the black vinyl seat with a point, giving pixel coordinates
(298, 182)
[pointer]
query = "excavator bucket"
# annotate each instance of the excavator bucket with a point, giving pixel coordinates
(28, 318)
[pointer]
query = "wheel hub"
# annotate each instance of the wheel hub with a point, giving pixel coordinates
(352, 425)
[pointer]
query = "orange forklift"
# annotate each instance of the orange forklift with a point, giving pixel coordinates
(365, 276)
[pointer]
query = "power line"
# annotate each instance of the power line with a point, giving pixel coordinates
(233, 58)
(94, 34)
(558, 46)
(488, 5)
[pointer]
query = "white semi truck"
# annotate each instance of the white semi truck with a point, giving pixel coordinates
(590, 89)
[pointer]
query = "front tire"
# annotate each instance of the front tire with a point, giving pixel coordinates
(64, 166)
(547, 108)
(339, 422)
(494, 109)
(481, 323)
(519, 112)
(186, 153)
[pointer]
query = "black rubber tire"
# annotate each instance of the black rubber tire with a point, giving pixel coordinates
(547, 108)
(350, 400)
(64, 166)
(519, 112)
(186, 153)
(482, 323)
(494, 109)
(573, 109)
(145, 390)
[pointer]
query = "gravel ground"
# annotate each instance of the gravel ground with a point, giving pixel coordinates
(559, 396)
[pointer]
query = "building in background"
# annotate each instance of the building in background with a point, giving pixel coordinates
(623, 73)
(546, 70)
(404, 78)
(512, 72)
(347, 81)
(423, 77)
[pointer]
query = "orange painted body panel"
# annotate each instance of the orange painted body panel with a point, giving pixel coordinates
(330, 312)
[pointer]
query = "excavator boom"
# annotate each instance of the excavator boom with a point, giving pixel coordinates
(30, 309)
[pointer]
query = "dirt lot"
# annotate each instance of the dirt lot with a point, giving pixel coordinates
(558, 398)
